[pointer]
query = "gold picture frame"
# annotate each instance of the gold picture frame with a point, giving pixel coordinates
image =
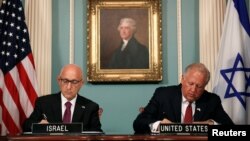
(104, 39)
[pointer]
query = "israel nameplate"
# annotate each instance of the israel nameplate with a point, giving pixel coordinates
(57, 128)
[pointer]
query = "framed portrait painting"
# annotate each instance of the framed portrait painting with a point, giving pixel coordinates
(124, 41)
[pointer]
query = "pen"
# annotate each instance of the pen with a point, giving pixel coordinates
(44, 117)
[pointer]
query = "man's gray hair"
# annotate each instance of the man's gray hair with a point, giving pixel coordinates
(199, 67)
(131, 22)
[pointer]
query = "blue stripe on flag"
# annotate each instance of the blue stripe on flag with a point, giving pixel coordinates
(240, 5)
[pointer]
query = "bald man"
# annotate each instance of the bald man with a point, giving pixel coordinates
(51, 108)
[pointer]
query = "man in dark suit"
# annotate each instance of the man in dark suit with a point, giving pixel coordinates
(131, 54)
(168, 104)
(51, 108)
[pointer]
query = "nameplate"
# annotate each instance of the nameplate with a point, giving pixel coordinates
(184, 129)
(56, 128)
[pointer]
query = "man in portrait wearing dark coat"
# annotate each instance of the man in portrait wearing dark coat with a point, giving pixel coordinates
(131, 54)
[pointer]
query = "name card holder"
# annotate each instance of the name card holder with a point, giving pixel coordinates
(57, 128)
(184, 129)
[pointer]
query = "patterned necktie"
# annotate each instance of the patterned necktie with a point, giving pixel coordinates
(188, 118)
(67, 113)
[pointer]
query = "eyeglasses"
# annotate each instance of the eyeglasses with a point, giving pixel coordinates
(66, 81)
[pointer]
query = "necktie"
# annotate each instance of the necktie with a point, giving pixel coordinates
(67, 113)
(188, 118)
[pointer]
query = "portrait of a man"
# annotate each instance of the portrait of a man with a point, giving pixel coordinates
(124, 41)
(131, 54)
(123, 47)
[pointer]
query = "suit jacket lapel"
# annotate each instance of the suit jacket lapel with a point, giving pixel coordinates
(177, 104)
(57, 108)
(79, 111)
(199, 110)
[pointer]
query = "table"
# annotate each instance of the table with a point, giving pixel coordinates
(99, 137)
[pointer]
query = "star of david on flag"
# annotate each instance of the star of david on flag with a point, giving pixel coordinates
(232, 74)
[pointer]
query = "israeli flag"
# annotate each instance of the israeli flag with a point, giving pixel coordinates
(232, 73)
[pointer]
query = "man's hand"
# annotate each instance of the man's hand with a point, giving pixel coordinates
(166, 121)
(43, 121)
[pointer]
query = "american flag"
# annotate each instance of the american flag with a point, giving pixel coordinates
(18, 83)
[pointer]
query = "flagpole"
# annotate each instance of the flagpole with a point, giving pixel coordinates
(71, 33)
(179, 39)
